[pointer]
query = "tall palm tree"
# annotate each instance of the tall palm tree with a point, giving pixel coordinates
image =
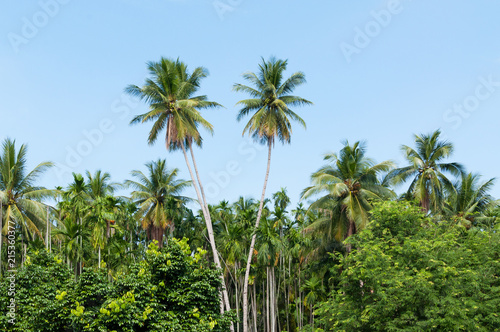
(348, 184)
(103, 207)
(314, 290)
(270, 121)
(70, 233)
(75, 206)
(153, 193)
(281, 199)
(425, 169)
(20, 197)
(173, 106)
(470, 200)
(268, 254)
(99, 184)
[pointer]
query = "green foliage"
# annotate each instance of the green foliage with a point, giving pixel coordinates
(168, 291)
(19, 195)
(37, 285)
(408, 274)
(347, 185)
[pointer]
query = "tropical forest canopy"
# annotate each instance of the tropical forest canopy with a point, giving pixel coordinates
(352, 255)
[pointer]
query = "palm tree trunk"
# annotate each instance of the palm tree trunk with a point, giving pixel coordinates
(236, 296)
(47, 233)
(204, 206)
(130, 239)
(208, 222)
(425, 203)
(263, 305)
(272, 298)
(268, 325)
(300, 304)
(288, 294)
(252, 244)
(350, 231)
(255, 307)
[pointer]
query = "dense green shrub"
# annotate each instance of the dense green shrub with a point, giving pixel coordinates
(171, 290)
(407, 273)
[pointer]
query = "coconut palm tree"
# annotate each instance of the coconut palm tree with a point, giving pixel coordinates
(426, 170)
(173, 106)
(349, 183)
(20, 197)
(169, 93)
(270, 110)
(153, 193)
(470, 200)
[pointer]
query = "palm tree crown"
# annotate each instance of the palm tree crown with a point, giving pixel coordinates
(154, 193)
(271, 102)
(426, 168)
(349, 183)
(169, 93)
(19, 194)
(470, 200)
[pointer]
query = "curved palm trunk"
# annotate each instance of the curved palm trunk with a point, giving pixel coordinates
(210, 231)
(252, 244)
(204, 205)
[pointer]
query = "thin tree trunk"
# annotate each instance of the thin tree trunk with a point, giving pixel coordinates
(289, 292)
(207, 212)
(350, 231)
(99, 262)
(272, 298)
(425, 203)
(263, 305)
(254, 307)
(236, 297)
(267, 301)
(210, 232)
(47, 233)
(25, 245)
(252, 244)
(300, 303)
(204, 200)
(81, 242)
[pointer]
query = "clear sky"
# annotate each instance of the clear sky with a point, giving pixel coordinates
(378, 71)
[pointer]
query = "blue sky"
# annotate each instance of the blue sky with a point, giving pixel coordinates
(378, 71)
